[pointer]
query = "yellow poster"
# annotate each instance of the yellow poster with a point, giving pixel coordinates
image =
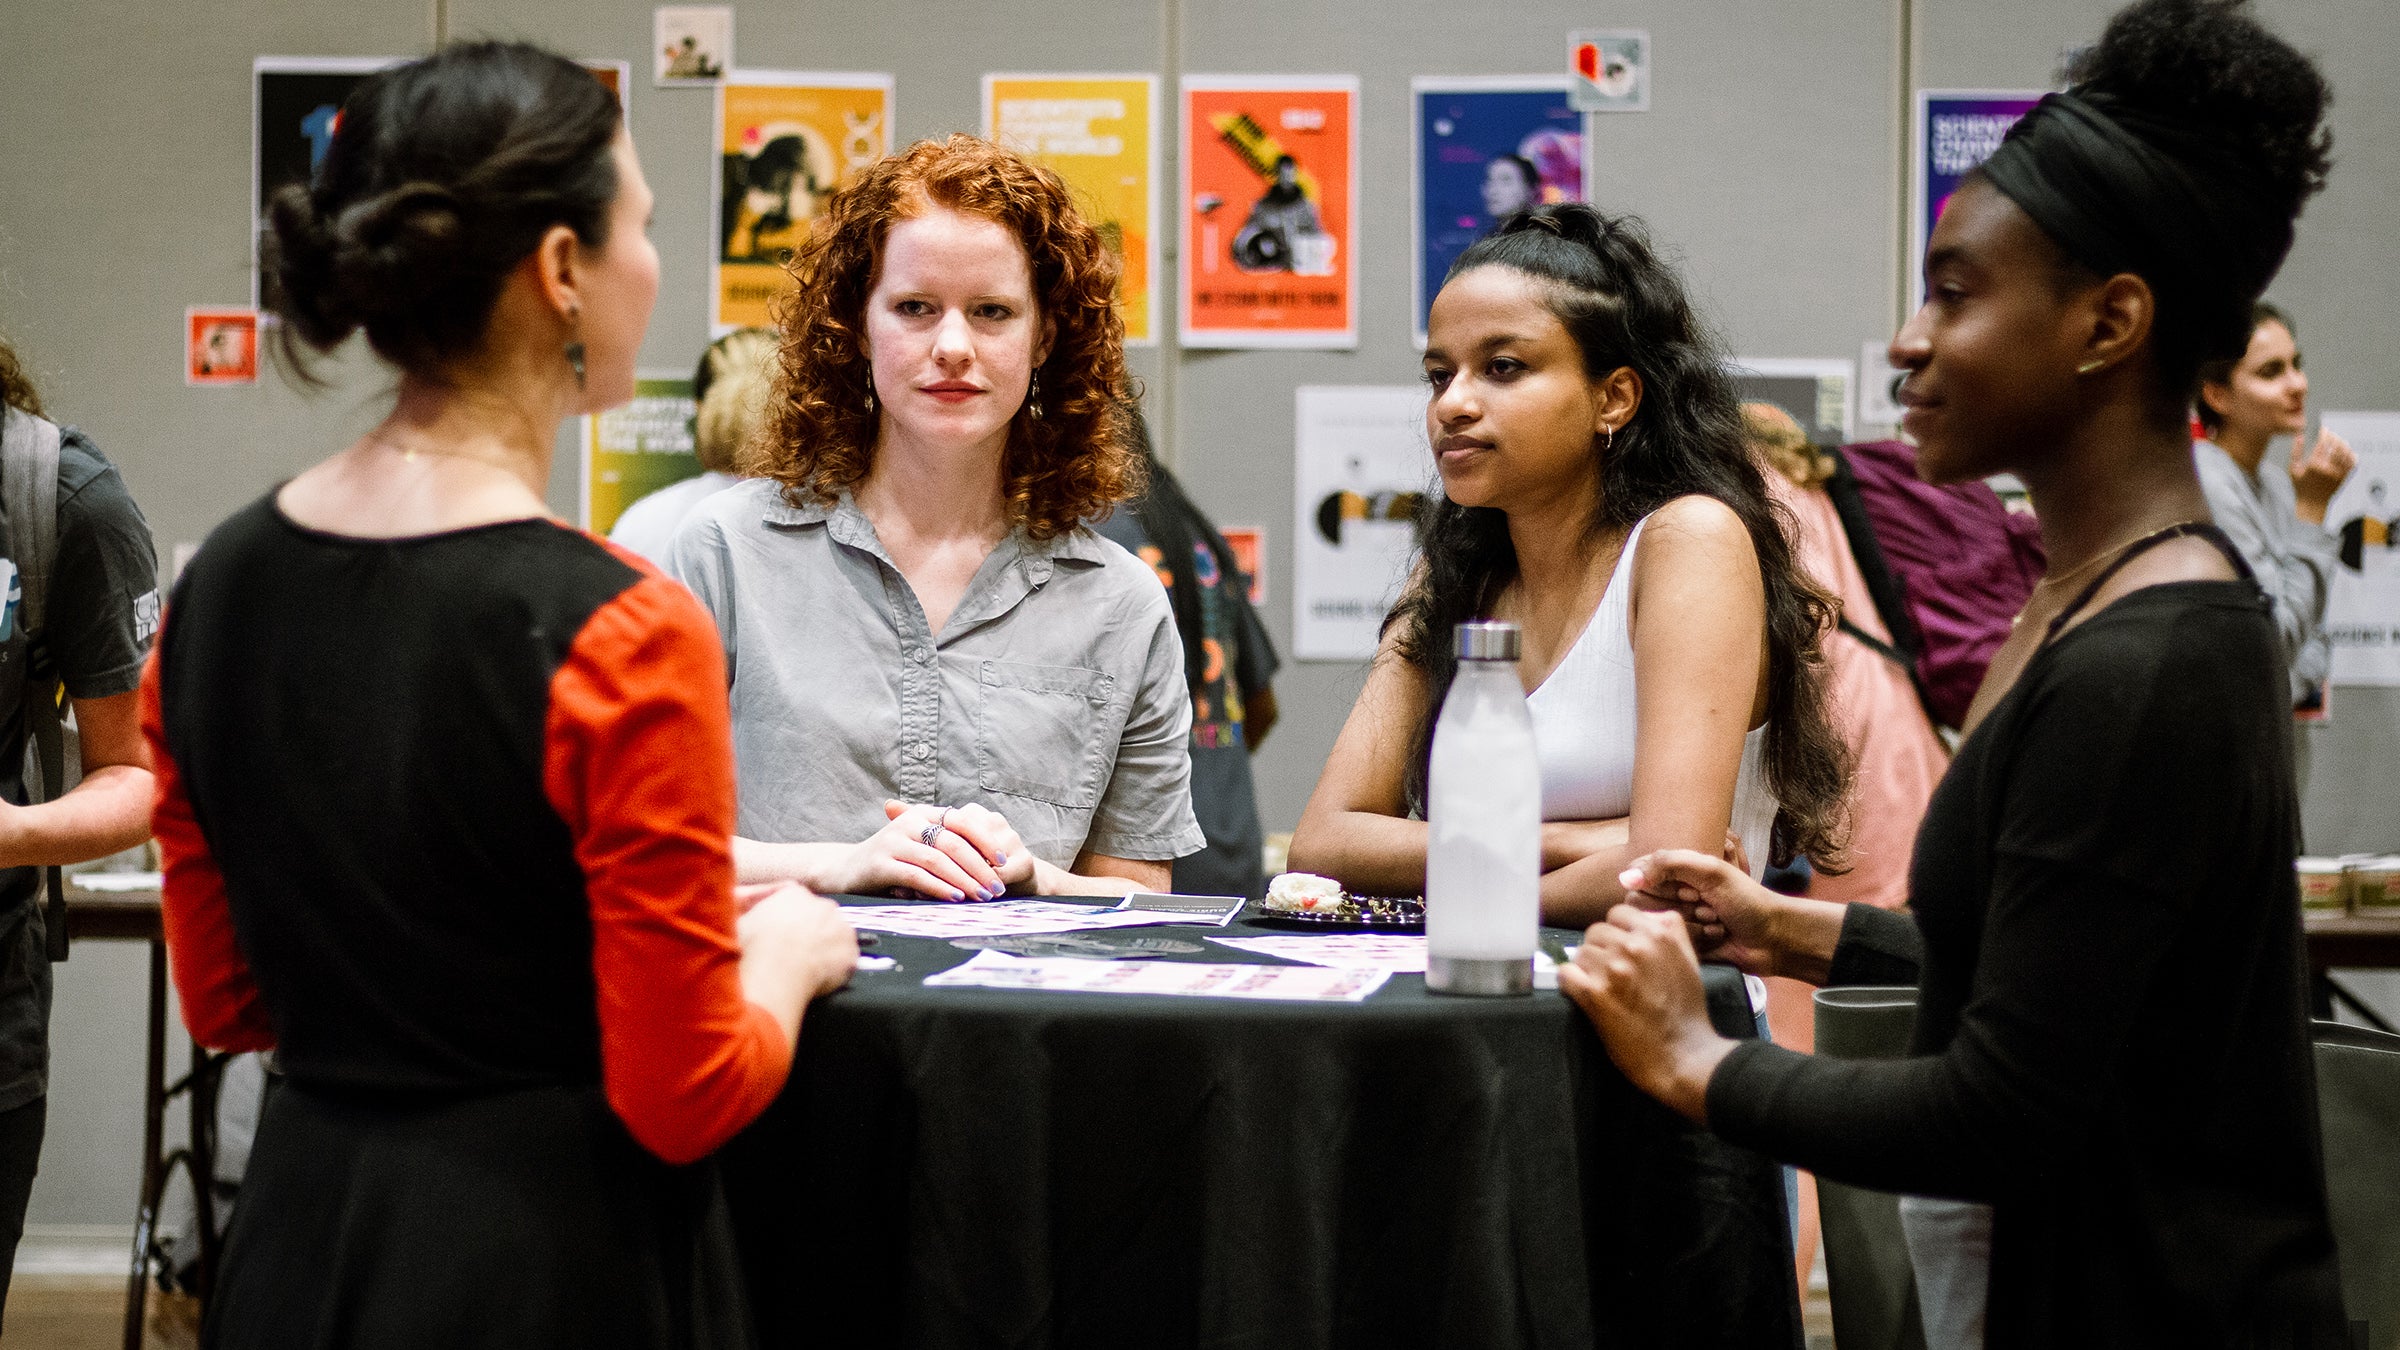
(785, 141)
(1100, 133)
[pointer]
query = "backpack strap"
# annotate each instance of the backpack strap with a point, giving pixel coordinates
(29, 495)
(1884, 586)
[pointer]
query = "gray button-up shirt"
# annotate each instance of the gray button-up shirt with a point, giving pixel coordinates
(1054, 694)
(2294, 560)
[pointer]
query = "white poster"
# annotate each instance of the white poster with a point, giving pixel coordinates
(2363, 618)
(1363, 468)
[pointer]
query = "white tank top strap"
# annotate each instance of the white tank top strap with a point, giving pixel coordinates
(1584, 724)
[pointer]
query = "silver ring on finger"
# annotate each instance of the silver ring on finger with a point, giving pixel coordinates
(934, 831)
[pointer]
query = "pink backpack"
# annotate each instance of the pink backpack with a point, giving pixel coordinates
(1949, 567)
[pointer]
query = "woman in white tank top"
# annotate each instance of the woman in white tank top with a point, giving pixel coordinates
(1596, 491)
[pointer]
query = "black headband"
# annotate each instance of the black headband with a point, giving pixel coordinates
(2122, 192)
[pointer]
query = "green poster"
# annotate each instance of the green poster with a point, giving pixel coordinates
(633, 451)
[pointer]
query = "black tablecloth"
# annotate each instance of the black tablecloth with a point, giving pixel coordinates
(979, 1167)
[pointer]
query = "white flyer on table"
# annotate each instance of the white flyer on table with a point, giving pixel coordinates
(2362, 616)
(995, 918)
(1362, 469)
(1068, 974)
(1399, 953)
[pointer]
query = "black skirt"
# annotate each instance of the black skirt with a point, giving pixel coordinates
(524, 1219)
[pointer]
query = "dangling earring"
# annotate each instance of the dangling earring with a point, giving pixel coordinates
(1033, 399)
(575, 346)
(1608, 440)
(870, 388)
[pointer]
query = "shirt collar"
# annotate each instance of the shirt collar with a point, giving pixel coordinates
(849, 525)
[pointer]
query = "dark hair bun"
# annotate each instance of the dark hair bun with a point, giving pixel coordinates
(2210, 69)
(442, 176)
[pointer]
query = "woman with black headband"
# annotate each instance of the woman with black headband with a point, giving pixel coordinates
(2111, 1044)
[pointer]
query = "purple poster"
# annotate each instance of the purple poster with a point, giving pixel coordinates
(1957, 129)
(1486, 148)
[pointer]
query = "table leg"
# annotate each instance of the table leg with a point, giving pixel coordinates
(154, 1106)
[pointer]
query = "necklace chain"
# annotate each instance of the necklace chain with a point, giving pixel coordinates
(2106, 554)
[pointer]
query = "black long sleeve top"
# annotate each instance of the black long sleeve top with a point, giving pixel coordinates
(2111, 1042)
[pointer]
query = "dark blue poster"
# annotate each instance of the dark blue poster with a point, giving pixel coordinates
(1486, 148)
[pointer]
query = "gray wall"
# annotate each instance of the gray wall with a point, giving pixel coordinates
(1770, 165)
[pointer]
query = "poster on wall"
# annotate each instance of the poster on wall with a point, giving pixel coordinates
(1957, 129)
(632, 451)
(1363, 468)
(1249, 545)
(1819, 394)
(295, 104)
(1100, 134)
(1484, 148)
(785, 141)
(1610, 68)
(220, 346)
(617, 78)
(1270, 238)
(2362, 616)
(691, 44)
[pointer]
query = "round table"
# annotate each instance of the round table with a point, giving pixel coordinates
(978, 1167)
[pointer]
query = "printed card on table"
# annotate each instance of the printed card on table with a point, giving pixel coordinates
(1182, 979)
(994, 918)
(784, 142)
(1270, 230)
(1100, 134)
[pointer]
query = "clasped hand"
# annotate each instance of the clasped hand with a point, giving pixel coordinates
(975, 855)
(1637, 974)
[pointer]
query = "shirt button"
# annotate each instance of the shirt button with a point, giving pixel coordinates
(919, 750)
(919, 655)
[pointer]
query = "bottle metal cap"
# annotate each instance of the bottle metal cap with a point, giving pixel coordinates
(1489, 640)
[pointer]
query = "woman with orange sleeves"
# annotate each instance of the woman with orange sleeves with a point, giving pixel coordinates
(446, 786)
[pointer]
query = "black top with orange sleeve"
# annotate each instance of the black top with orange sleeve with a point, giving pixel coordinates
(449, 815)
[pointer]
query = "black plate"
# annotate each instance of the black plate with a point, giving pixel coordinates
(1364, 914)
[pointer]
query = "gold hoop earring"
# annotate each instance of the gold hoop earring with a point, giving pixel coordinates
(1033, 397)
(2089, 366)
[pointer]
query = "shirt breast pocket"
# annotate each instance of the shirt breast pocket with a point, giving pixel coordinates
(1039, 731)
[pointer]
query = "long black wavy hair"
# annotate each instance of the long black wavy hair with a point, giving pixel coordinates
(1626, 308)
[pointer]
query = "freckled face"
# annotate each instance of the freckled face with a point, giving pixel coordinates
(953, 329)
(1513, 415)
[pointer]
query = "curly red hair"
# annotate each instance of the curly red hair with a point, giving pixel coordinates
(1067, 466)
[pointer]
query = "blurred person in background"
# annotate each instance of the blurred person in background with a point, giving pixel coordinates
(2275, 514)
(1228, 661)
(101, 614)
(729, 397)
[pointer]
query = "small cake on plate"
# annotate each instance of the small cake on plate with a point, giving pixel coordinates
(1303, 893)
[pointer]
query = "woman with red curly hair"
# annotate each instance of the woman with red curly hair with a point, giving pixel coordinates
(942, 683)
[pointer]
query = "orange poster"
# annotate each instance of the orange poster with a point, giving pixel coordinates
(784, 143)
(1270, 239)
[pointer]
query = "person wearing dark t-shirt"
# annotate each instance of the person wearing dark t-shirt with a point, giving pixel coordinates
(1228, 661)
(446, 786)
(101, 613)
(2111, 1049)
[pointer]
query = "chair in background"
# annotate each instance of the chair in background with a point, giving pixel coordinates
(1873, 1287)
(2358, 1105)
